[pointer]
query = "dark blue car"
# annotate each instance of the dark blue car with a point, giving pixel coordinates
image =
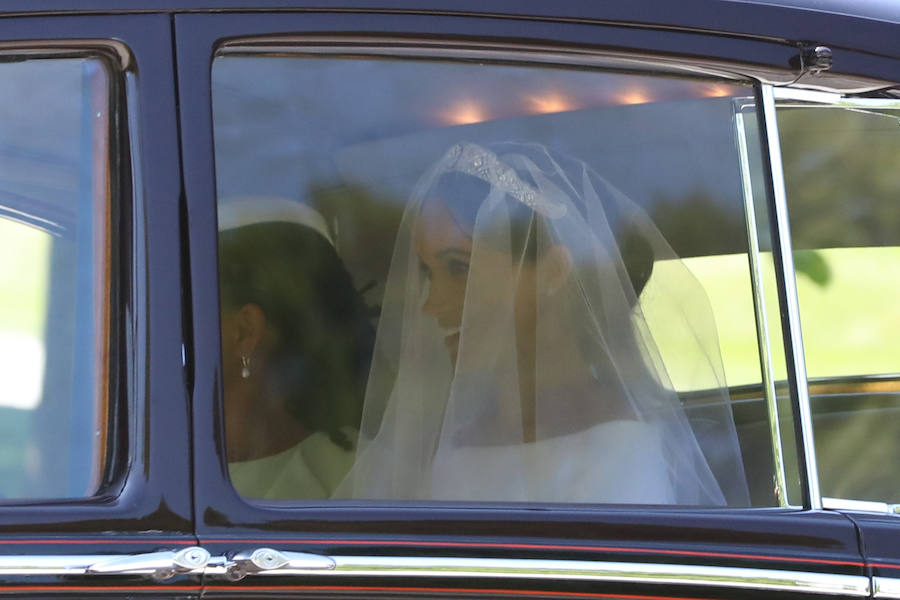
(436, 299)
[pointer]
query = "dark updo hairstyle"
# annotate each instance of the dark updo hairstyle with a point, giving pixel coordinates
(463, 195)
(323, 335)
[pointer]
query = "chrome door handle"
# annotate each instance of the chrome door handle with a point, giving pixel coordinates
(268, 560)
(159, 565)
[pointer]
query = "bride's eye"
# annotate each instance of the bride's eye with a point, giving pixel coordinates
(458, 268)
(424, 271)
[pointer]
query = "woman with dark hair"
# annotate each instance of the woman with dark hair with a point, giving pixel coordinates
(513, 354)
(296, 345)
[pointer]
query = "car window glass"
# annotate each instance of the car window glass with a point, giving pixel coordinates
(54, 197)
(842, 187)
(484, 282)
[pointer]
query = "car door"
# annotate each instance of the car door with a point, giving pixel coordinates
(96, 460)
(341, 113)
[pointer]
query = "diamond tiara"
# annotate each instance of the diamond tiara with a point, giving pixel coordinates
(479, 162)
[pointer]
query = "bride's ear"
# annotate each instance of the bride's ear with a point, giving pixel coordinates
(554, 268)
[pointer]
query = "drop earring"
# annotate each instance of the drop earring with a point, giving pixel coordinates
(245, 367)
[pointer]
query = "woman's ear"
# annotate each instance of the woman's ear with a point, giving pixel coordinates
(554, 267)
(249, 328)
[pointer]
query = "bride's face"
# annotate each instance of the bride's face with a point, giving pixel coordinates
(445, 255)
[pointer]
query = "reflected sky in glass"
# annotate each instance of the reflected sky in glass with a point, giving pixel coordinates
(287, 125)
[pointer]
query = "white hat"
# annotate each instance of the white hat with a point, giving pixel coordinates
(241, 211)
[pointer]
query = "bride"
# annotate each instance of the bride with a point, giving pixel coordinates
(512, 361)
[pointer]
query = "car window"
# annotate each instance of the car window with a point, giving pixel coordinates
(842, 186)
(480, 281)
(54, 295)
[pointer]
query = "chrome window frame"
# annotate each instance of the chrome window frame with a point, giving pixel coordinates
(799, 384)
(759, 301)
(783, 256)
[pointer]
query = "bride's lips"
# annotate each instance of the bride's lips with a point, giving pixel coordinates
(451, 336)
(452, 340)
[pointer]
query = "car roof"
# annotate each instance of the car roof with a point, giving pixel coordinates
(866, 25)
(636, 11)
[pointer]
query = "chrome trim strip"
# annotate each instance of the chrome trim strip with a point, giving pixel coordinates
(53, 48)
(796, 360)
(857, 505)
(160, 565)
(886, 587)
(387, 46)
(399, 47)
(759, 303)
(832, 99)
(49, 565)
(137, 329)
(451, 567)
(638, 573)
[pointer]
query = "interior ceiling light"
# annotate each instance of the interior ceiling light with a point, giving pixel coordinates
(633, 96)
(717, 91)
(464, 113)
(553, 102)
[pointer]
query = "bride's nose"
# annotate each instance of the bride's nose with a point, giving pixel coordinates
(432, 301)
(440, 302)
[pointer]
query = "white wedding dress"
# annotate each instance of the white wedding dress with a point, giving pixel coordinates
(618, 462)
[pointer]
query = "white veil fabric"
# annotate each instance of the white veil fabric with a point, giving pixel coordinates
(512, 360)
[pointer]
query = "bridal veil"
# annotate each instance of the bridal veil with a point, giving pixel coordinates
(513, 361)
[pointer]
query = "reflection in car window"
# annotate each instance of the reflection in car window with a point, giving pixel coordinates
(533, 249)
(54, 198)
(842, 188)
